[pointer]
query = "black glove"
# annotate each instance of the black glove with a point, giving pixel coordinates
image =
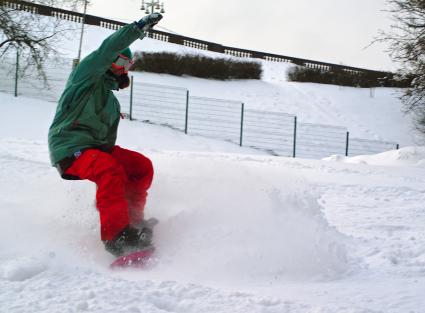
(149, 21)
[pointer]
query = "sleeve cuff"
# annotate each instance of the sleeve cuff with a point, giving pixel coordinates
(142, 34)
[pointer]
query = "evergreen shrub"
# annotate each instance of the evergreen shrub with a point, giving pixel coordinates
(196, 65)
(366, 79)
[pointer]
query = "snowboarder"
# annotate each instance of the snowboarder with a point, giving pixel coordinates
(83, 134)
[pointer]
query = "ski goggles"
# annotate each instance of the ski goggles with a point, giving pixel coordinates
(122, 64)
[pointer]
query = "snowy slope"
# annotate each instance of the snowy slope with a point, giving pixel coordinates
(378, 117)
(239, 231)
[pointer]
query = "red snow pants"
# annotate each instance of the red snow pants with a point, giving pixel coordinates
(122, 178)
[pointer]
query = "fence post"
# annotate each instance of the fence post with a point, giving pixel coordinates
(187, 112)
(242, 120)
(294, 154)
(131, 97)
(17, 73)
(347, 140)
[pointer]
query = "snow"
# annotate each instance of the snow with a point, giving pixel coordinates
(409, 156)
(368, 114)
(239, 231)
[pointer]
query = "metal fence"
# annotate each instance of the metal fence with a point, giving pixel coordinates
(165, 105)
(319, 141)
(269, 131)
(277, 133)
(360, 146)
(28, 84)
(215, 118)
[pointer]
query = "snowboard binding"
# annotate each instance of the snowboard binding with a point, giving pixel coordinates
(132, 238)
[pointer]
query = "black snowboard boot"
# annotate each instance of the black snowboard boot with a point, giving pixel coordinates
(129, 240)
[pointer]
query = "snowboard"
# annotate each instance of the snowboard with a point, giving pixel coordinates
(138, 259)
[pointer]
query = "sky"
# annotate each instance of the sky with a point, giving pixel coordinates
(335, 31)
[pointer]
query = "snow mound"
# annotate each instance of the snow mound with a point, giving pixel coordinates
(229, 218)
(407, 156)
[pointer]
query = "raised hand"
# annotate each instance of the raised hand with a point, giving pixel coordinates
(149, 21)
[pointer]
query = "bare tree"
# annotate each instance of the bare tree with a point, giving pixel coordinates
(34, 36)
(407, 47)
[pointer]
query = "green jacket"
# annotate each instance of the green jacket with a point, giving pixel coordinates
(88, 113)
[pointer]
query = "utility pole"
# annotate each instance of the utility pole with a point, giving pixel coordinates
(77, 60)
